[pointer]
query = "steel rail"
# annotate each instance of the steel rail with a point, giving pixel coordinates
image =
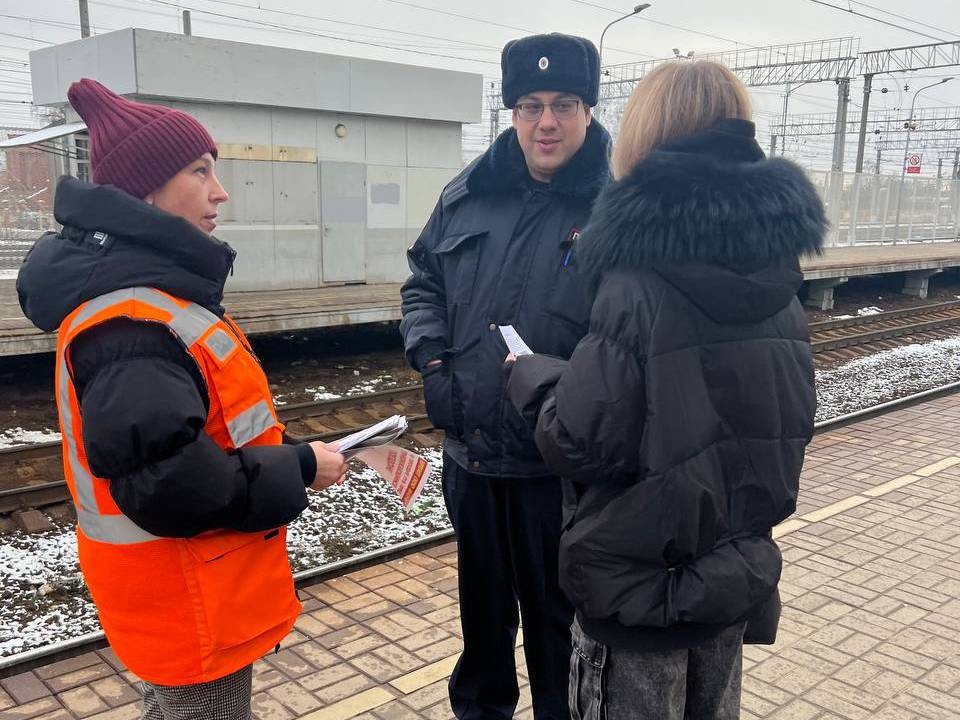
(51, 493)
(29, 659)
(885, 333)
(289, 413)
(286, 413)
(825, 325)
(21, 662)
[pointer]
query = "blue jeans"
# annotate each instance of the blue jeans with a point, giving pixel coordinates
(702, 683)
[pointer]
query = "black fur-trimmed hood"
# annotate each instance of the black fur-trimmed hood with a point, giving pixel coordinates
(709, 207)
(502, 169)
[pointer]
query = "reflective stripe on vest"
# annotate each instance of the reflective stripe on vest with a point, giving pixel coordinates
(189, 323)
(251, 423)
(220, 344)
(180, 611)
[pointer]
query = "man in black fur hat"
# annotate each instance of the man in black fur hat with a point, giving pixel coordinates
(500, 249)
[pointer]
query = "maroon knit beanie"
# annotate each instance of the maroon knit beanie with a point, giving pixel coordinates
(135, 146)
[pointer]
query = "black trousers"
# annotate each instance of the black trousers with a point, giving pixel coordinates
(508, 533)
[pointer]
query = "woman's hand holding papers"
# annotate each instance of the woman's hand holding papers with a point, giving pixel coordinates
(331, 465)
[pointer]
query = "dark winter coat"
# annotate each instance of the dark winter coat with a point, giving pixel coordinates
(142, 396)
(680, 422)
(498, 250)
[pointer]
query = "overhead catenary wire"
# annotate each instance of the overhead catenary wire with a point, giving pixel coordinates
(313, 33)
(21, 37)
(42, 21)
(242, 23)
(304, 16)
(907, 18)
(876, 19)
(644, 18)
(494, 23)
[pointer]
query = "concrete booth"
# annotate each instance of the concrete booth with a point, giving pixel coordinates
(333, 164)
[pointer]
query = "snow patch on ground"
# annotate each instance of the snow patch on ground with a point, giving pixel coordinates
(19, 436)
(41, 601)
(385, 381)
(33, 615)
(362, 515)
(872, 310)
(887, 375)
(320, 394)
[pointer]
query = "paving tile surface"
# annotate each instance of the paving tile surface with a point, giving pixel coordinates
(870, 627)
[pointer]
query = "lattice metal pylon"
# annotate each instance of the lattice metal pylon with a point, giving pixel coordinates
(836, 59)
(818, 60)
(914, 57)
(940, 119)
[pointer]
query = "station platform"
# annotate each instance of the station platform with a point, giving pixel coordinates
(917, 261)
(871, 591)
(881, 259)
(256, 312)
(291, 310)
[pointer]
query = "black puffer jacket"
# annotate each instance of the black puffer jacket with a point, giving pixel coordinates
(498, 250)
(142, 397)
(681, 419)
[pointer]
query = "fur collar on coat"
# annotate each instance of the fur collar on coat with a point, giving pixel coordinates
(502, 168)
(712, 199)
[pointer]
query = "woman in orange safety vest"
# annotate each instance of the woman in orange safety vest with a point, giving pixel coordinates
(171, 445)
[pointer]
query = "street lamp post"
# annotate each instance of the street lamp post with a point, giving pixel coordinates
(906, 153)
(636, 10)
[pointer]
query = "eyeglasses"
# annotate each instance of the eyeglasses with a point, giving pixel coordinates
(561, 109)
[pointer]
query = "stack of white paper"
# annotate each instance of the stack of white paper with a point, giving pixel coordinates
(403, 469)
(383, 433)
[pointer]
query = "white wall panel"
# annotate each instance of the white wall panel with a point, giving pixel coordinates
(386, 197)
(250, 185)
(386, 141)
(294, 128)
(350, 148)
(424, 186)
(433, 144)
(255, 265)
(108, 58)
(296, 198)
(231, 124)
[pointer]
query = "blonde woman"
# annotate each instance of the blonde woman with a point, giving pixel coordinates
(679, 423)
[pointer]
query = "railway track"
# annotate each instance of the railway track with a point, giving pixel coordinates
(71, 647)
(848, 338)
(35, 470)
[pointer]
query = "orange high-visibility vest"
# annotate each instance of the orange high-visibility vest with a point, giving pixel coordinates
(180, 611)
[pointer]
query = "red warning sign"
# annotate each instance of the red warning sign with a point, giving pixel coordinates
(913, 163)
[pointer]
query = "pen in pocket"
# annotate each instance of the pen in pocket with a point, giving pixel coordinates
(569, 244)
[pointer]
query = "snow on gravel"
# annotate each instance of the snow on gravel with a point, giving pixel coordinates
(42, 596)
(363, 515)
(887, 375)
(43, 600)
(19, 436)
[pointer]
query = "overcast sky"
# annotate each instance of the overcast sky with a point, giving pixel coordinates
(464, 35)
